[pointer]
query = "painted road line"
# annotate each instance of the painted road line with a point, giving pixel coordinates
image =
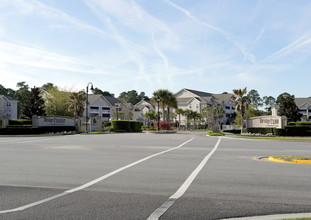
(91, 182)
(168, 203)
(26, 140)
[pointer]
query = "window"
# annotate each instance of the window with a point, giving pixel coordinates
(197, 105)
(94, 107)
(189, 106)
(105, 115)
(227, 107)
(106, 108)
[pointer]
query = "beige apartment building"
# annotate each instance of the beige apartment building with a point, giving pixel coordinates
(197, 100)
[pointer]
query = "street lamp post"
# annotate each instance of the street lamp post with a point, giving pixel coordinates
(158, 100)
(87, 102)
(117, 109)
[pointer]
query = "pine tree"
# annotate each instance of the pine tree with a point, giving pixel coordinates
(33, 105)
(288, 107)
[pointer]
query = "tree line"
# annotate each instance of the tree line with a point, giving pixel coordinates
(68, 103)
(57, 101)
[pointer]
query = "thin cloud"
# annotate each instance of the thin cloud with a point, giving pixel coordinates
(297, 44)
(134, 17)
(248, 55)
(226, 34)
(26, 56)
(36, 8)
(285, 51)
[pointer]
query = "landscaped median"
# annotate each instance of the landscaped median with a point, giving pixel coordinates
(291, 159)
(274, 138)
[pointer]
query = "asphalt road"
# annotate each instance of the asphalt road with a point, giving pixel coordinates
(144, 171)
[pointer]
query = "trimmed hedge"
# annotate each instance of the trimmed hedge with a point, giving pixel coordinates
(290, 130)
(303, 123)
(260, 130)
(106, 124)
(31, 130)
(301, 130)
(19, 122)
(233, 131)
(126, 126)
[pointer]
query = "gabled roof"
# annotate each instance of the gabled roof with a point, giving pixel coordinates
(194, 98)
(142, 101)
(199, 93)
(110, 99)
(301, 101)
(222, 98)
(8, 98)
(141, 104)
(183, 101)
(93, 98)
(137, 115)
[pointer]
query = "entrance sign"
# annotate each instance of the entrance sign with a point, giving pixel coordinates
(267, 121)
(50, 121)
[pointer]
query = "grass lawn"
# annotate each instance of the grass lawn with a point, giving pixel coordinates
(297, 219)
(277, 138)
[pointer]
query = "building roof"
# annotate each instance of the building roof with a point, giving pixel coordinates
(8, 98)
(112, 100)
(199, 93)
(137, 115)
(301, 101)
(223, 98)
(144, 103)
(183, 101)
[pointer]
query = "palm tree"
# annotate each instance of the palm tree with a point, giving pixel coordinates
(219, 115)
(205, 115)
(77, 101)
(194, 115)
(168, 100)
(150, 116)
(179, 112)
(171, 102)
(187, 113)
(241, 102)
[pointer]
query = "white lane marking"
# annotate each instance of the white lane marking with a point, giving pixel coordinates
(17, 141)
(92, 182)
(168, 203)
(274, 217)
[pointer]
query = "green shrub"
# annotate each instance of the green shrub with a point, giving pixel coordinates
(260, 130)
(148, 128)
(31, 130)
(211, 133)
(233, 131)
(126, 126)
(135, 126)
(303, 123)
(291, 123)
(291, 130)
(19, 122)
(107, 124)
(278, 132)
(18, 126)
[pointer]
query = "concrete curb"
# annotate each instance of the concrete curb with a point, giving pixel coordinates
(279, 160)
(274, 217)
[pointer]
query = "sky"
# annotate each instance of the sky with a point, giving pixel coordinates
(213, 46)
